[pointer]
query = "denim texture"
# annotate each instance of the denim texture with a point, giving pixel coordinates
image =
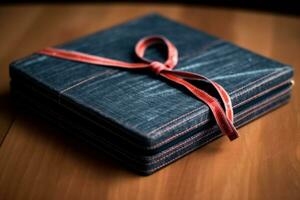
(142, 112)
(136, 159)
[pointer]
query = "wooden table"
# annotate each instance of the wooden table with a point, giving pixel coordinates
(36, 162)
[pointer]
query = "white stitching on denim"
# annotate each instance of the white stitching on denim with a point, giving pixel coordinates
(85, 80)
(81, 82)
(206, 142)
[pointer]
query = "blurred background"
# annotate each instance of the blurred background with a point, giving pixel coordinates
(290, 7)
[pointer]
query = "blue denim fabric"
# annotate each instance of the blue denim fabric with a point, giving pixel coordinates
(140, 109)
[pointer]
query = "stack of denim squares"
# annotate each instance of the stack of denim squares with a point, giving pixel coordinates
(140, 119)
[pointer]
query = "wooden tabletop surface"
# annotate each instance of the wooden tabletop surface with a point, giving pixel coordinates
(37, 162)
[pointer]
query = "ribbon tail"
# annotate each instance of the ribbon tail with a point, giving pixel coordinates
(219, 89)
(225, 124)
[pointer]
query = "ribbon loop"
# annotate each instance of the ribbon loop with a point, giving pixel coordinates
(146, 42)
(223, 117)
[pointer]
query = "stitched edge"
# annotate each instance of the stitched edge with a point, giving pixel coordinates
(209, 140)
(246, 112)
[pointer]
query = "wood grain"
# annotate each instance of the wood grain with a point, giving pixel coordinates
(37, 162)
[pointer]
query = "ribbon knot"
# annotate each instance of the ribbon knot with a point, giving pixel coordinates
(223, 115)
(157, 67)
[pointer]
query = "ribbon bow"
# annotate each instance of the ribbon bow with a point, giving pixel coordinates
(223, 117)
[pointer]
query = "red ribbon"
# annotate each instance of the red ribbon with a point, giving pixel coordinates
(223, 118)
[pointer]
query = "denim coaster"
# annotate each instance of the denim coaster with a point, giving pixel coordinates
(145, 111)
